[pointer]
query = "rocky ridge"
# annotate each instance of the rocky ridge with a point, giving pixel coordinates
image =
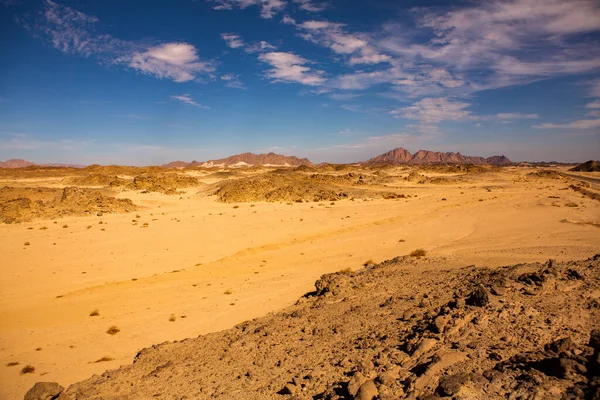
(423, 157)
(588, 166)
(401, 329)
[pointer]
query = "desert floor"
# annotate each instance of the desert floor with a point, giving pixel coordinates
(201, 266)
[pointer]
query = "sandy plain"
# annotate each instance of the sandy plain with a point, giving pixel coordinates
(211, 265)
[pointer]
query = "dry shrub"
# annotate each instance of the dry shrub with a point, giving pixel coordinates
(418, 253)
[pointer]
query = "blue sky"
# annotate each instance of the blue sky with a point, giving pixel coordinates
(147, 82)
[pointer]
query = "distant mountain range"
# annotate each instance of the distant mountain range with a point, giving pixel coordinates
(245, 159)
(17, 163)
(421, 157)
(394, 157)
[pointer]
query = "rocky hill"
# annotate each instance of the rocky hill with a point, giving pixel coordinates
(177, 164)
(588, 166)
(18, 163)
(403, 329)
(245, 159)
(421, 157)
(15, 163)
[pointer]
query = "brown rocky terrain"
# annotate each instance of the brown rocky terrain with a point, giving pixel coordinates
(26, 204)
(194, 263)
(289, 186)
(401, 329)
(424, 157)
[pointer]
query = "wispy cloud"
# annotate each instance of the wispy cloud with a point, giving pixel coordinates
(434, 110)
(579, 124)
(176, 61)
(73, 32)
(233, 81)
(289, 67)
(234, 41)
(511, 116)
(268, 8)
(333, 35)
(311, 5)
(187, 99)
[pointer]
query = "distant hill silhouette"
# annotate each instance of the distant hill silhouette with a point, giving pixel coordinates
(403, 156)
(245, 159)
(588, 166)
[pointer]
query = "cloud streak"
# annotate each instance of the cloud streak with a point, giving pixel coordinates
(187, 99)
(288, 67)
(268, 8)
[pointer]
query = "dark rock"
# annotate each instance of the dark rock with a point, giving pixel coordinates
(478, 297)
(44, 391)
(560, 346)
(595, 339)
(289, 388)
(450, 385)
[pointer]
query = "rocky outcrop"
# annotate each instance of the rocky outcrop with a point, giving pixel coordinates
(15, 163)
(259, 159)
(588, 166)
(245, 159)
(498, 160)
(424, 157)
(401, 329)
(176, 164)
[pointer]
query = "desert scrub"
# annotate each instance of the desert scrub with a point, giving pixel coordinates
(345, 271)
(418, 253)
(94, 313)
(113, 330)
(12, 363)
(368, 262)
(172, 318)
(28, 369)
(228, 291)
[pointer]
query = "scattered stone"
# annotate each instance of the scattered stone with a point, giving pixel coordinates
(367, 391)
(479, 297)
(451, 385)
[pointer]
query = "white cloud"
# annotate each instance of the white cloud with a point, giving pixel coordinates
(268, 8)
(333, 36)
(509, 116)
(497, 44)
(594, 88)
(176, 61)
(233, 81)
(593, 104)
(434, 110)
(74, 32)
(579, 124)
(259, 47)
(234, 41)
(288, 67)
(310, 5)
(187, 99)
